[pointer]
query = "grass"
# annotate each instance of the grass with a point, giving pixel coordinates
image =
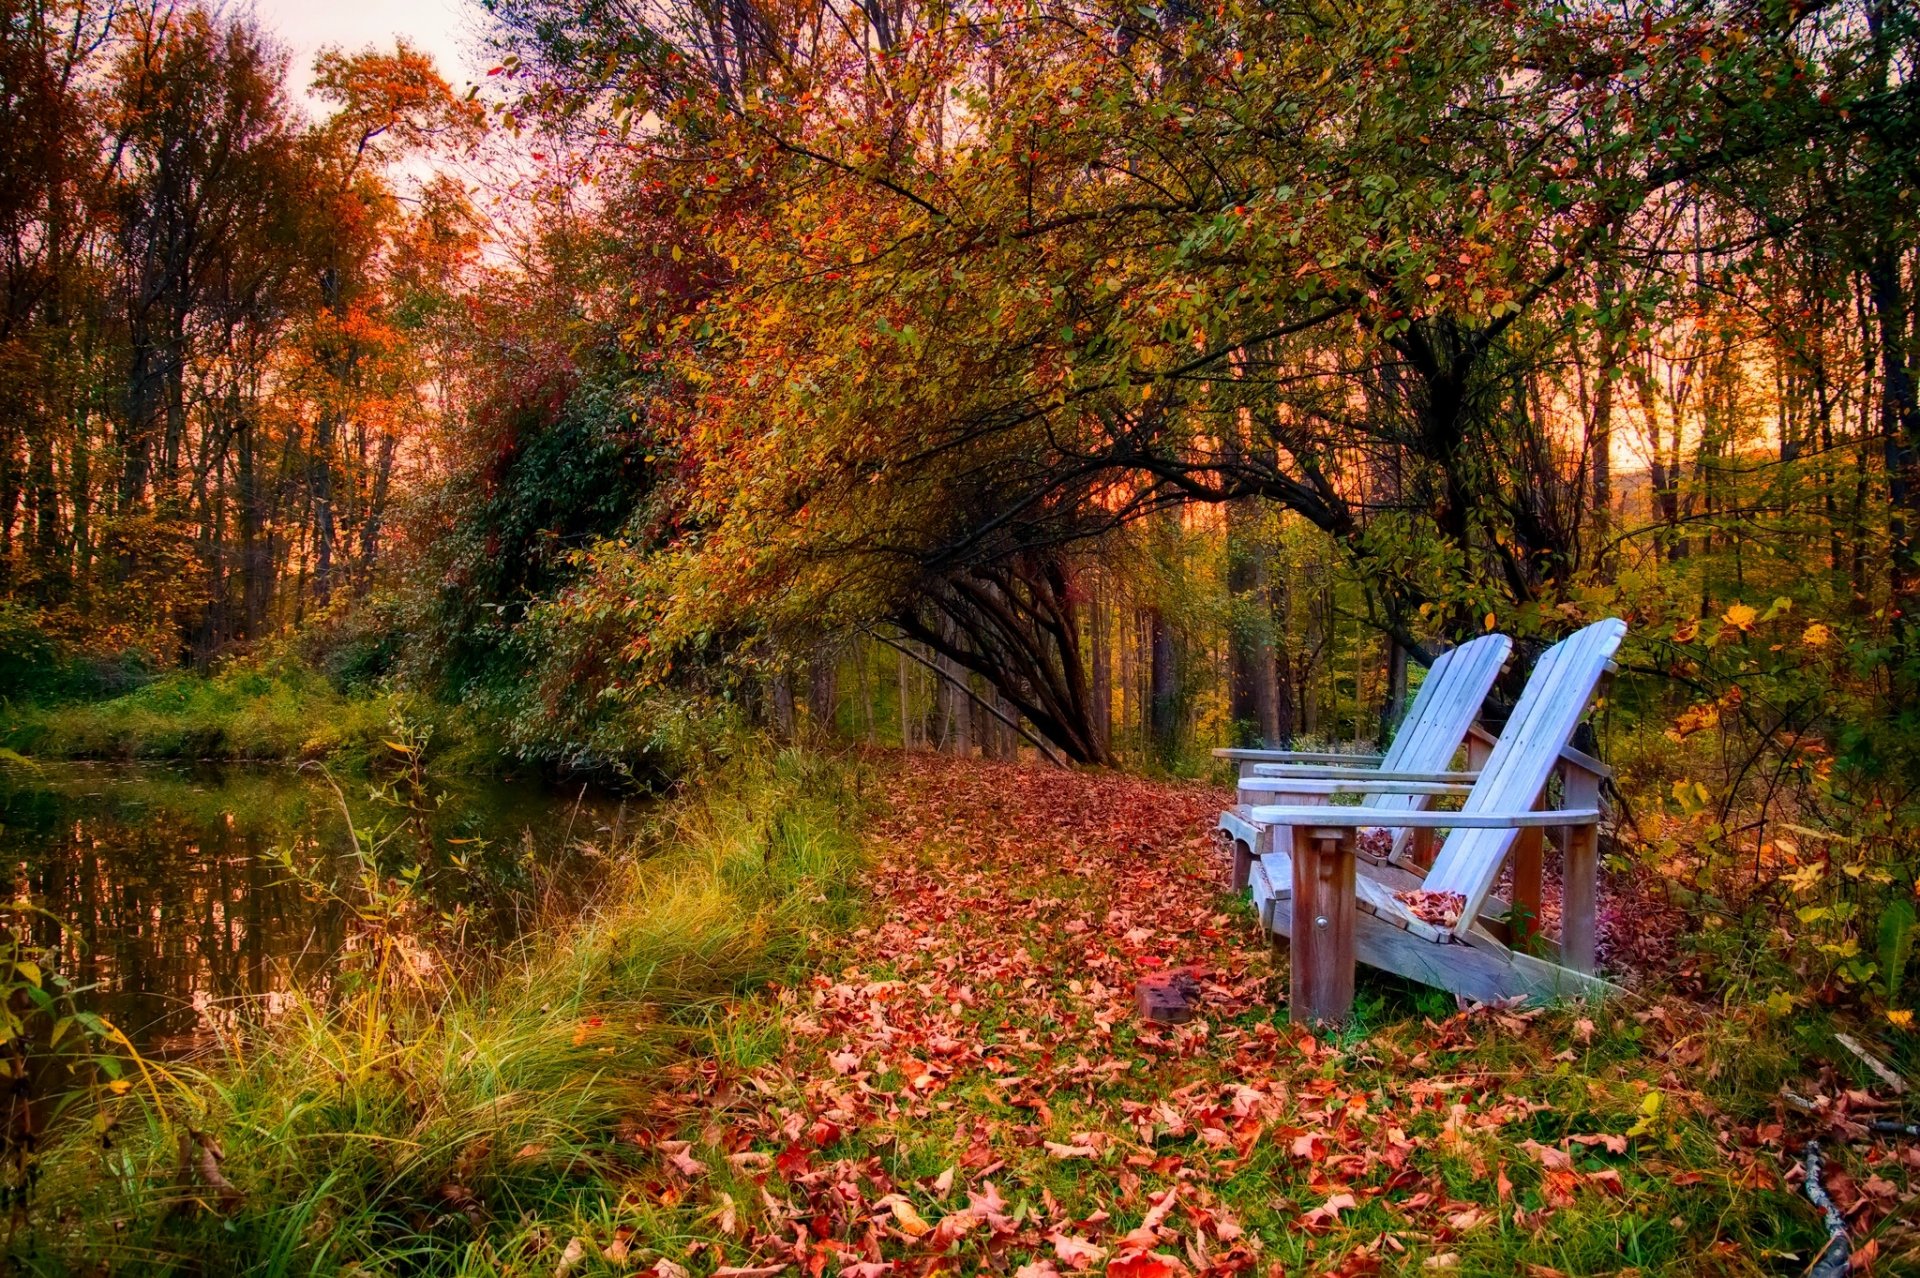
(757, 1058)
(459, 1130)
(277, 711)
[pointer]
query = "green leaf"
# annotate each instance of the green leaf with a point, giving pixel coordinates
(1896, 943)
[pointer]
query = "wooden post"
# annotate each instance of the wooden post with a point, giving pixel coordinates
(1242, 865)
(1580, 873)
(1422, 851)
(1480, 744)
(1321, 986)
(1524, 921)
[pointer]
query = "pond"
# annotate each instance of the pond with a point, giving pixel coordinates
(173, 906)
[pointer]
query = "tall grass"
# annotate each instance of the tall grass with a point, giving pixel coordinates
(275, 711)
(440, 1126)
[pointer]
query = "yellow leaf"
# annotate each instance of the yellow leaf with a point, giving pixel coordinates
(120, 1086)
(1740, 616)
(1816, 636)
(1901, 1018)
(395, 745)
(1489, 622)
(909, 1220)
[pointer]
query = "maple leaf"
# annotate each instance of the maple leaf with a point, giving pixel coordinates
(1076, 1253)
(1328, 1213)
(662, 1268)
(1548, 1157)
(1606, 1140)
(867, 1269)
(905, 1217)
(1037, 1269)
(682, 1161)
(1057, 1150)
(1144, 1264)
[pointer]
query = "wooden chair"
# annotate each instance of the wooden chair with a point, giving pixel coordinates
(1335, 916)
(1439, 720)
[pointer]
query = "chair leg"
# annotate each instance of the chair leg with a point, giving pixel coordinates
(1323, 925)
(1580, 872)
(1242, 864)
(1526, 887)
(1580, 898)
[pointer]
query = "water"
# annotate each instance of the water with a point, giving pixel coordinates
(174, 911)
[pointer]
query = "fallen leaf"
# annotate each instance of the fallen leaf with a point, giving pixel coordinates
(1076, 1253)
(1144, 1264)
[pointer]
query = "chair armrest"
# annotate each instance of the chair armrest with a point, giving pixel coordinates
(1350, 785)
(1314, 771)
(1411, 819)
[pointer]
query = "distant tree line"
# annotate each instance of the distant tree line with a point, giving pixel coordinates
(213, 310)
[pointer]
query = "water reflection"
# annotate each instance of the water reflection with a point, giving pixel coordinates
(176, 913)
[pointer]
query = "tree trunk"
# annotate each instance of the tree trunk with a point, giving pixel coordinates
(1102, 660)
(1164, 698)
(1394, 704)
(823, 686)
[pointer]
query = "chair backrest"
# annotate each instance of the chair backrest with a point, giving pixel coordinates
(1550, 708)
(1445, 707)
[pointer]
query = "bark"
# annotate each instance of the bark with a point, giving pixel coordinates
(1101, 714)
(1164, 696)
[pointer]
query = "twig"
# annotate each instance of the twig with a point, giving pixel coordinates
(1836, 1257)
(981, 701)
(1887, 1127)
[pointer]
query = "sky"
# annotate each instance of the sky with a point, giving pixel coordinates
(447, 29)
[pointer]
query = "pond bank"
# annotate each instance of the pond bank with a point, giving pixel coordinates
(278, 711)
(433, 1122)
(169, 895)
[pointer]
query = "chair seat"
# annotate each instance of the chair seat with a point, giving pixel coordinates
(1273, 881)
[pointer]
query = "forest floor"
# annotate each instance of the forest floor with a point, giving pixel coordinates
(969, 1088)
(874, 1017)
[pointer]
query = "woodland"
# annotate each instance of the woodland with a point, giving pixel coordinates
(904, 439)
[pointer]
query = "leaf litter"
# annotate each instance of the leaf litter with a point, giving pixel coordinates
(965, 1086)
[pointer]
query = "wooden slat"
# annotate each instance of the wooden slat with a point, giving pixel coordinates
(1542, 723)
(1480, 970)
(1248, 755)
(1351, 818)
(1269, 771)
(1306, 785)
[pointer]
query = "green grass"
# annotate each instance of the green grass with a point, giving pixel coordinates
(455, 1132)
(277, 711)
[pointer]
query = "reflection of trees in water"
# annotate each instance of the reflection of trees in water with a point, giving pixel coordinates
(178, 916)
(176, 919)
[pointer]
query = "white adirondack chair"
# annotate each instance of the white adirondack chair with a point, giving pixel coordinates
(1312, 894)
(1416, 761)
